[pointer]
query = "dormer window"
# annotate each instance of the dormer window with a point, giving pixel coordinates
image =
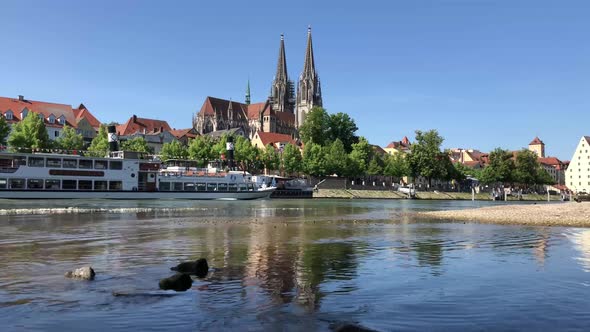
(62, 120)
(41, 117)
(24, 113)
(8, 115)
(51, 118)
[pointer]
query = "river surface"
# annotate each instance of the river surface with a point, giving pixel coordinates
(288, 265)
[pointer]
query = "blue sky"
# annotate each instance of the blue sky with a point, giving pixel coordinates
(484, 73)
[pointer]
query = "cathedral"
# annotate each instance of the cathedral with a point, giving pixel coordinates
(283, 111)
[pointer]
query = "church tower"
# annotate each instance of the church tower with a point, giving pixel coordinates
(282, 92)
(309, 92)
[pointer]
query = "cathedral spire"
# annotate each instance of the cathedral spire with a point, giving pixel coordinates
(309, 64)
(248, 93)
(281, 75)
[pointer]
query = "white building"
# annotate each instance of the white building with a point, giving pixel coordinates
(578, 172)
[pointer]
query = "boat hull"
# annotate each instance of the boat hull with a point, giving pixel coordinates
(140, 195)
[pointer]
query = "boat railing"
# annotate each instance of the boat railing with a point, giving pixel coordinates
(191, 174)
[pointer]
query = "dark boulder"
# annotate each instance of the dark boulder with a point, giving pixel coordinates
(84, 273)
(200, 268)
(347, 327)
(179, 282)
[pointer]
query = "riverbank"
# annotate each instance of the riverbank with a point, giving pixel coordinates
(384, 194)
(565, 214)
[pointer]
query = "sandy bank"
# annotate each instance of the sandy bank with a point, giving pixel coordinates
(430, 195)
(565, 214)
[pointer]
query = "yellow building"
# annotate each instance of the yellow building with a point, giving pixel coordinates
(578, 172)
(538, 147)
(398, 146)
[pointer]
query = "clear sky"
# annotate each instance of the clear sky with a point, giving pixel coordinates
(484, 73)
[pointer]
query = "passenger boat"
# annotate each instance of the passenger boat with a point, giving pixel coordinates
(123, 175)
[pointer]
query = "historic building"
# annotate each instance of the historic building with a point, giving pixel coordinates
(578, 172)
(281, 113)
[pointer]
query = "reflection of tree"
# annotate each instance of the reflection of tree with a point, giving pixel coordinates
(429, 252)
(321, 262)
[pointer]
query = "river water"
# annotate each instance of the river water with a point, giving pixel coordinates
(288, 265)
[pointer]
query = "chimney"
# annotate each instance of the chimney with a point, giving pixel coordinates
(21, 98)
(162, 129)
(134, 118)
(113, 139)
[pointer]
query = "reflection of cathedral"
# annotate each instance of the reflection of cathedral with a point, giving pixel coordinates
(283, 112)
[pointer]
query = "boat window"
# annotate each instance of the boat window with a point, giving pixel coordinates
(211, 186)
(36, 162)
(177, 186)
(222, 187)
(100, 185)
(201, 187)
(53, 162)
(34, 184)
(189, 186)
(85, 185)
(116, 165)
(164, 186)
(52, 184)
(250, 187)
(242, 187)
(85, 163)
(68, 185)
(115, 185)
(70, 163)
(20, 161)
(3, 184)
(17, 183)
(232, 187)
(101, 164)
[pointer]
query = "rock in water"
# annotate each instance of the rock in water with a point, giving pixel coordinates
(84, 273)
(344, 327)
(200, 268)
(179, 282)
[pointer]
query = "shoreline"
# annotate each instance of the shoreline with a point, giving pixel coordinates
(421, 195)
(569, 214)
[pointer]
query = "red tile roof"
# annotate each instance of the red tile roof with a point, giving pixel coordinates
(72, 116)
(254, 110)
(178, 133)
(271, 138)
(404, 144)
(536, 141)
(135, 124)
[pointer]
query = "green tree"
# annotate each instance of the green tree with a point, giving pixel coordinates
(543, 177)
(4, 130)
(137, 144)
(344, 128)
(375, 167)
(201, 150)
(316, 127)
(336, 158)
(426, 158)
(271, 159)
(359, 157)
(100, 144)
(499, 169)
(291, 159)
(314, 160)
(466, 171)
(173, 150)
(528, 170)
(396, 165)
(30, 133)
(245, 154)
(69, 139)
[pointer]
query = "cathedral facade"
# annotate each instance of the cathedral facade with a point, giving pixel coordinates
(283, 111)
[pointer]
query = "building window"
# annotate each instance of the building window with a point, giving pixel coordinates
(56, 133)
(51, 118)
(24, 113)
(62, 120)
(41, 117)
(8, 115)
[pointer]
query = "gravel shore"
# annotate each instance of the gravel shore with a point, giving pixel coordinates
(560, 214)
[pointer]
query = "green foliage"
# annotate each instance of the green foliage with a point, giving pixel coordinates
(271, 159)
(343, 127)
(316, 127)
(246, 155)
(137, 144)
(465, 171)
(291, 159)
(396, 165)
(375, 167)
(173, 150)
(543, 177)
(4, 130)
(359, 158)
(336, 158)
(201, 150)
(314, 160)
(426, 158)
(499, 169)
(69, 139)
(526, 167)
(30, 133)
(100, 144)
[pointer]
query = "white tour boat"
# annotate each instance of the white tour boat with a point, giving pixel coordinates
(122, 175)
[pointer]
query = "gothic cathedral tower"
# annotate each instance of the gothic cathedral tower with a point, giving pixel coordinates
(282, 96)
(309, 92)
